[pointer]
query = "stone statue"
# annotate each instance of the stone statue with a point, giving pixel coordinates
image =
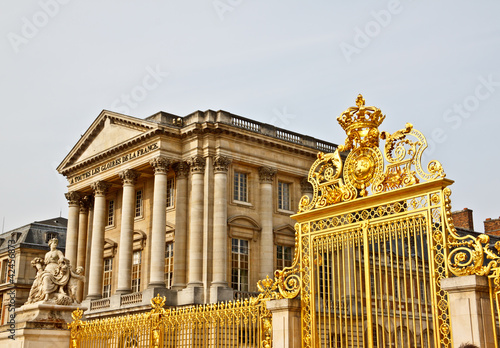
(55, 282)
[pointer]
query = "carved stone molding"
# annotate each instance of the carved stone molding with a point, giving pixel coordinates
(221, 164)
(160, 164)
(129, 176)
(73, 197)
(197, 164)
(305, 186)
(181, 169)
(100, 187)
(266, 174)
(85, 204)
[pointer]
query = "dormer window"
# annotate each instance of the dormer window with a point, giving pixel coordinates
(50, 235)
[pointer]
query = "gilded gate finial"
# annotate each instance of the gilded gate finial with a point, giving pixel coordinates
(367, 170)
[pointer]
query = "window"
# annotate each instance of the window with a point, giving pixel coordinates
(169, 264)
(283, 256)
(111, 213)
(170, 193)
(239, 264)
(283, 196)
(5, 271)
(136, 271)
(107, 276)
(240, 187)
(138, 203)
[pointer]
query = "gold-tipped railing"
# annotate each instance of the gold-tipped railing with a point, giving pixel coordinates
(227, 324)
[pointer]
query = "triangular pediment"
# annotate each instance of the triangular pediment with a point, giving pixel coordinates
(106, 132)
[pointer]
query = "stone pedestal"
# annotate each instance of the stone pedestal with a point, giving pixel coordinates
(286, 322)
(190, 296)
(221, 294)
(470, 310)
(38, 325)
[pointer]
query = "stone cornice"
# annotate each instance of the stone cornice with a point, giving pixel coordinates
(97, 126)
(153, 129)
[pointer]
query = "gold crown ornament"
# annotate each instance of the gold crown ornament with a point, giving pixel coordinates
(360, 123)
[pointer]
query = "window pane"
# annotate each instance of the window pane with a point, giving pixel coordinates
(239, 264)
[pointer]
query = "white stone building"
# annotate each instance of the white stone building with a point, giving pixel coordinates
(195, 208)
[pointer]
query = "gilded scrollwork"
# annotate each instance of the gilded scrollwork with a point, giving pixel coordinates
(468, 254)
(364, 170)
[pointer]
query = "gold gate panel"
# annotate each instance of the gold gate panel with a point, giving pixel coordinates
(371, 244)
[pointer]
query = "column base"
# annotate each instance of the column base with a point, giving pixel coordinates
(190, 296)
(219, 293)
(169, 294)
(178, 287)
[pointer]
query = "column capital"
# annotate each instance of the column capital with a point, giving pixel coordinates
(305, 186)
(221, 164)
(160, 164)
(129, 176)
(73, 197)
(100, 187)
(266, 174)
(181, 169)
(197, 164)
(85, 204)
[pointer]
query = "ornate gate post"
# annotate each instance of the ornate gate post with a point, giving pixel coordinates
(286, 322)
(470, 310)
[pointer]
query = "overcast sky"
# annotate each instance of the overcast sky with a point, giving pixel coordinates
(294, 64)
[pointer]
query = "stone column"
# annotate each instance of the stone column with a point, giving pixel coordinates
(286, 331)
(97, 251)
(197, 165)
(219, 274)
(129, 177)
(470, 310)
(266, 176)
(73, 198)
(82, 240)
(181, 215)
(157, 263)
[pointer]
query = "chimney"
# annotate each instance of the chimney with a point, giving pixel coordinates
(463, 219)
(492, 226)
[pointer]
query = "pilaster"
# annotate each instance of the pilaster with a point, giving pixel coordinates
(197, 166)
(266, 176)
(219, 272)
(470, 310)
(181, 202)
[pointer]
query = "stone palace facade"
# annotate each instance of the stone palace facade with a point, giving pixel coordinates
(195, 208)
